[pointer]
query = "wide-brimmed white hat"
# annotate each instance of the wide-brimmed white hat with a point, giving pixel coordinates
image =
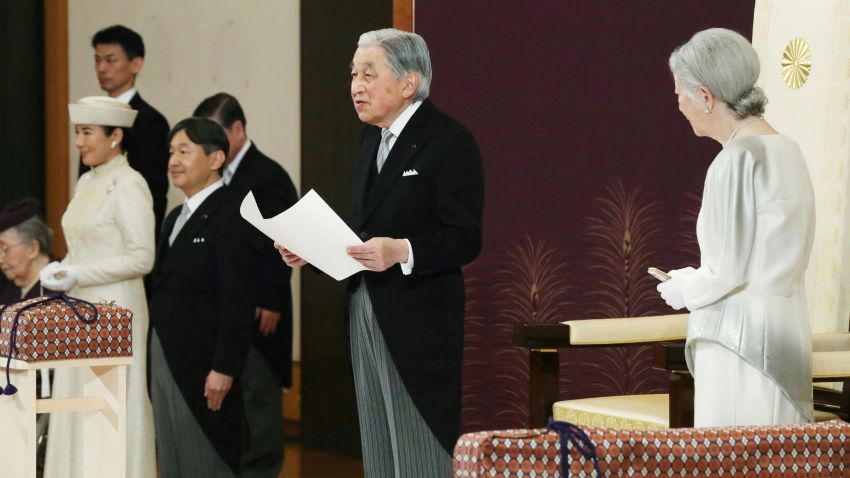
(103, 111)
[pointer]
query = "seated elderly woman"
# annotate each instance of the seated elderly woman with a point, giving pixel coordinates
(25, 241)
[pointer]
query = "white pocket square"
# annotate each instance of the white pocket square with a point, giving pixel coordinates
(410, 172)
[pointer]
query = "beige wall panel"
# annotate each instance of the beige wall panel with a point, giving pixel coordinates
(817, 116)
(195, 48)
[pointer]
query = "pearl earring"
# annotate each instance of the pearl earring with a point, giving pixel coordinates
(706, 111)
(114, 143)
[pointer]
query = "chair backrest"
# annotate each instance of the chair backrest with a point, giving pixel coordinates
(804, 48)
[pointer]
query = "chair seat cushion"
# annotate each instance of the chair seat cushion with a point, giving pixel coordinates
(634, 412)
(824, 416)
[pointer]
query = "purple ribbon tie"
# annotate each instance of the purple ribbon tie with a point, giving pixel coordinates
(573, 434)
(71, 302)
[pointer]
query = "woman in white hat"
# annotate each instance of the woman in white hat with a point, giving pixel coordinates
(109, 231)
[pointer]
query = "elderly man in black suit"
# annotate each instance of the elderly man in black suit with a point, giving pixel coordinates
(201, 310)
(418, 203)
(248, 169)
(119, 55)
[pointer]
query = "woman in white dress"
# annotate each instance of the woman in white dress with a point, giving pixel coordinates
(109, 231)
(749, 338)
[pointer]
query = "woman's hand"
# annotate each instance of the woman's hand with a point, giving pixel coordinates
(291, 259)
(671, 291)
(216, 388)
(56, 276)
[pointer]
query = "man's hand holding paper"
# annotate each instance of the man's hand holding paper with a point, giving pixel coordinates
(379, 253)
(289, 258)
(308, 232)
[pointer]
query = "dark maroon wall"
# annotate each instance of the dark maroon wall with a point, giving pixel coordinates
(592, 175)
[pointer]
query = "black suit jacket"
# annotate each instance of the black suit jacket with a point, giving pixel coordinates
(274, 192)
(201, 308)
(439, 209)
(147, 153)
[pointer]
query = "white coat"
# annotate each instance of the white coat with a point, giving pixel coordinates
(109, 231)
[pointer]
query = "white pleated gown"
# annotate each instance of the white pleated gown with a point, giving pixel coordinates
(109, 230)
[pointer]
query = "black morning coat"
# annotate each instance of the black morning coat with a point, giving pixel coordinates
(274, 192)
(202, 309)
(430, 191)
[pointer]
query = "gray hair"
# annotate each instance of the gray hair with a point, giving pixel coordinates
(724, 62)
(406, 53)
(35, 229)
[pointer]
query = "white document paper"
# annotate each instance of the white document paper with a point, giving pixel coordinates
(311, 230)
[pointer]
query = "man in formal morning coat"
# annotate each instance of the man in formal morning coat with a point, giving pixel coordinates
(202, 314)
(247, 169)
(418, 201)
(119, 55)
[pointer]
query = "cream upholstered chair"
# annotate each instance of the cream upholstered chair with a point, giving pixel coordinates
(648, 411)
(625, 411)
(544, 341)
(830, 363)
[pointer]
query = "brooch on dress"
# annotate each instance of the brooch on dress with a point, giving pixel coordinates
(110, 187)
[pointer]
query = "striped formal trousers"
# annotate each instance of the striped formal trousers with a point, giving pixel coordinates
(396, 441)
(183, 448)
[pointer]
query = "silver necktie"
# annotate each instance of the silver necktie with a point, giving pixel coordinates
(384, 148)
(179, 223)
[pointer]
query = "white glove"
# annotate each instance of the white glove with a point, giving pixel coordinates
(682, 273)
(56, 276)
(671, 291)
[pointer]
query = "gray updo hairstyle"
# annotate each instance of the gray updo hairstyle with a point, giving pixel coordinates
(724, 62)
(406, 53)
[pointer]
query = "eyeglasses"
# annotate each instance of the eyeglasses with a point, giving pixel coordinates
(6, 247)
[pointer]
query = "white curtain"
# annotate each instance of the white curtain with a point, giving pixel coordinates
(817, 115)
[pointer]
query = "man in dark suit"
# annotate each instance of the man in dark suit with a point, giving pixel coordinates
(119, 55)
(247, 169)
(201, 312)
(418, 202)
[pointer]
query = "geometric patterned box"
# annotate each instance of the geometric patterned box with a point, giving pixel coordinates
(814, 449)
(48, 329)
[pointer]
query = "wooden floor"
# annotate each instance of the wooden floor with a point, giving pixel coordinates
(301, 462)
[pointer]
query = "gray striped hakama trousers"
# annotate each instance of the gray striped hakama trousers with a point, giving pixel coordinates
(183, 449)
(396, 441)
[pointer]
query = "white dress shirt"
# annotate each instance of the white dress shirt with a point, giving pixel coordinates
(126, 96)
(195, 201)
(232, 166)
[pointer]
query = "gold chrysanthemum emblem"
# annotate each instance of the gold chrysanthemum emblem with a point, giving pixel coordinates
(796, 63)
